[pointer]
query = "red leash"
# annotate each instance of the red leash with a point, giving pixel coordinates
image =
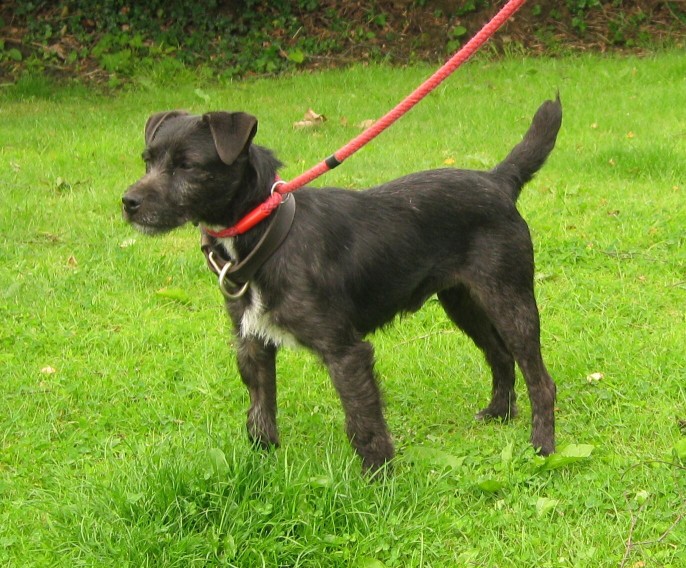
(281, 187)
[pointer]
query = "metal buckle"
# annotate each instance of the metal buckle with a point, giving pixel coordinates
(277, 183)
(210, 257)
(229, 295)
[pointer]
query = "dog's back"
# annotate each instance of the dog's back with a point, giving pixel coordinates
(474, 190)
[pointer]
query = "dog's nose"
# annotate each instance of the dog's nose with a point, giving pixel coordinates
(131, 203)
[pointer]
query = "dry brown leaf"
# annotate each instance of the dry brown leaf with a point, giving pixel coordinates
(310, 119)
(365, 123)
(595, 377)
(58, 50)
(313, 116)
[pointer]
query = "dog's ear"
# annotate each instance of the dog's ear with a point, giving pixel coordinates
(232, 132)
(156, 120)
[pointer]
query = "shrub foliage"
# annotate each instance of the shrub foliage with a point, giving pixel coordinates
(114, 39)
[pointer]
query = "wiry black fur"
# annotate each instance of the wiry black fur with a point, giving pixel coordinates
(354, 259)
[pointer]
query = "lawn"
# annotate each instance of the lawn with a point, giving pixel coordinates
(122, 418)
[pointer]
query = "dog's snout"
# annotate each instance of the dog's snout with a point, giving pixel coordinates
(131, 203)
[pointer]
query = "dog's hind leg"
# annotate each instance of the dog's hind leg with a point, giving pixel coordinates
(257, 367)
(514, 314)
(352, 372)
(470, 317)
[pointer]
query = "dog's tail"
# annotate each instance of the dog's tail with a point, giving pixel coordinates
(527, 157)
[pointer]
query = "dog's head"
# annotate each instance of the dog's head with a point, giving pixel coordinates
(194, 167)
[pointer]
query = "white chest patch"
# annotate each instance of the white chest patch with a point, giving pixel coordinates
(227, 244)
(256, 321)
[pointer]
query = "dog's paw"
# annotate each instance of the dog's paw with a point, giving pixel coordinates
(543, 444)
(262, 434)
(499, 413)
(262, 443)
(376, 455)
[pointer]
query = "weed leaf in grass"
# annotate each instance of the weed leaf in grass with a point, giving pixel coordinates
(571, 454)
(545, 505)
(261, 508)
(506, 454)
(320, 481)
(491, 485)
(433, 457)
(133, 498)
(229, 547)
(202, 95)
(680, 450)
(367, 562)
(175, 295)
(218, 464)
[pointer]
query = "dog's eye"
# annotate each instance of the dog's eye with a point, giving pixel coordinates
(146, 160)
(180, 168)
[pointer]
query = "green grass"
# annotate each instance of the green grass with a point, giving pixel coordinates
(122, 416)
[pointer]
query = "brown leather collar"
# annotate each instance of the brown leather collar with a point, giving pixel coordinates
(239, 274)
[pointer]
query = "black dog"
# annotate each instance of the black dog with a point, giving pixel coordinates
(354, 259)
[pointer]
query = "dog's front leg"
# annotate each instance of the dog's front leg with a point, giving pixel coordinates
(257, 367)
(352, 373)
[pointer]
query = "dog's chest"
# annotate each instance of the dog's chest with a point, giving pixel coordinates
(256, 320)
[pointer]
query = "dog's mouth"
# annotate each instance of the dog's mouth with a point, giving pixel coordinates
(148, 219)
(149, 225)
(148, 229)
(152, 228)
